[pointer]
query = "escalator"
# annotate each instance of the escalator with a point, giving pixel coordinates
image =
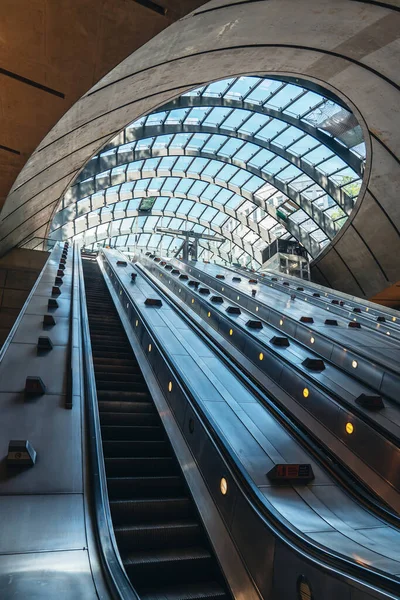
(163, 545)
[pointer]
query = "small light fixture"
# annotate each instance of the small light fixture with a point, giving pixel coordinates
(354, 364)
(136, 323)
(306, 392)
(170, 386)
(179, 290)
(149, 348)
(312, 340)
(208, 314)
(394, 319)
(367, 309)
(223, 486)
(192, 300)
(237, 297)
(388, 333)
(281, 322)
(261, 356)
(231, 332)
(349, 428)
(256, 308)
(222, 289)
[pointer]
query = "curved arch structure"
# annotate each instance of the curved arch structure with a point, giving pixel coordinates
(270, 165)
(347, 48)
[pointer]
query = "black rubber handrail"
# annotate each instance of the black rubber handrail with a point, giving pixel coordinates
(119, 584)
(309, 549)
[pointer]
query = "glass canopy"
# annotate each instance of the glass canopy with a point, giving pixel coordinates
(247, 159)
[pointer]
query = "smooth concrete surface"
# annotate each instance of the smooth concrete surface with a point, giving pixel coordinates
(52, 52)
(19, 269)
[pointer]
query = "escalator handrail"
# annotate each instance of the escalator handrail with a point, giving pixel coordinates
(309, 549)
(119, 584)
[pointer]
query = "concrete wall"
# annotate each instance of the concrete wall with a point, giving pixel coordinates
(19, 270)
(349, 47)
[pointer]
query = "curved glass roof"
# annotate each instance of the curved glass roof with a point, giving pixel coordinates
(248, 159)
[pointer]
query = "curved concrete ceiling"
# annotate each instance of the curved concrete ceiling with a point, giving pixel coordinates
(52, 52)
(348, 47)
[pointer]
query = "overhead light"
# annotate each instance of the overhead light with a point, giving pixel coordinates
(261, 356)
(149, 348)
(231, 332)
(349, 428)
(306, 392)
(354, 364)
(312, 340)
(281, 322)
(170, 386)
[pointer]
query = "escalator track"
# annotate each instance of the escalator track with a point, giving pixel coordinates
(162, 543)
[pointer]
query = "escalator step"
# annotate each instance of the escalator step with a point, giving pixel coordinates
(126, 407)
(126, 433)
(210, 590)
(134, 466)
(159, 535)
(125, 377)
(140, 487)
(113, 355)
(123, 386)
(123, 395)
(130, 418)
(113, 362)
(136, 448)
(168, 565)
(141, 510)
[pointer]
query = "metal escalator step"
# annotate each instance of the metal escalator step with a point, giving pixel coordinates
(115, 367)
(115, 362)
(140, 465)
(107, 337)
(177, 534)
(129, 418)
(141, 487)
(126, 377)
(141, 510)
(113, 355)
(117, 449)
(165, 566)
(210, 590)
(123, 395)
(123, 386)
(126, 433)
(111, 342)
(126, 407)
